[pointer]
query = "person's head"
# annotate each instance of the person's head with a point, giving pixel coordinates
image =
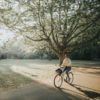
(66, 56)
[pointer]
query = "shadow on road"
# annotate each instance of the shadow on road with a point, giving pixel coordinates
(88, 93)
(38, 91)
(73, 92)
(91, 93)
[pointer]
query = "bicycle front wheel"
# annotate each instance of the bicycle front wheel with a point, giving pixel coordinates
(58, 81)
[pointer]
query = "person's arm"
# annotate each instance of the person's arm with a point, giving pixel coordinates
(63, 63)
(69, 62)
(61, 66)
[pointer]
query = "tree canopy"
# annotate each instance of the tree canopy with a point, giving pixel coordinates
(64, 25)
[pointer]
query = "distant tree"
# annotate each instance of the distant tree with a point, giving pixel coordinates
(64, 25)
(89, 52)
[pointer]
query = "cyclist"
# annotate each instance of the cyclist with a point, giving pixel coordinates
(66, 65)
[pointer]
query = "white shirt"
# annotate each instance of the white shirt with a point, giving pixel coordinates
(66, 62)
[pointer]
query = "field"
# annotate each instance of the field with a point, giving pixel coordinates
(9, 79)
(22, 73)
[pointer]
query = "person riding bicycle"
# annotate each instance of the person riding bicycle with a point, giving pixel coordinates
(61, 76)
(66, 64)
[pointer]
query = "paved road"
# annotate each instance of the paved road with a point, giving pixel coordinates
(84, 83)
(39, 92)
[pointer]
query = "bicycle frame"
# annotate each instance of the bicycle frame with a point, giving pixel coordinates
(63, 74)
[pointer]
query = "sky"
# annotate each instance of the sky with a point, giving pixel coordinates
(5, 35)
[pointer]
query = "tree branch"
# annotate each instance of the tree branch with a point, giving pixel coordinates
(83, 43)
(36, 39)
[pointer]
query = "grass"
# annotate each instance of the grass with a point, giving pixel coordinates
(10, 79)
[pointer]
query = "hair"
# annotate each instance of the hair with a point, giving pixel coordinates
(66, 55)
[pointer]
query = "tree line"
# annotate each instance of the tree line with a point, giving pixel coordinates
(89, 52)
(64, 25)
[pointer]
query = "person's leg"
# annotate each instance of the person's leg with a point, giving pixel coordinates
(64, 69)
(67, 71)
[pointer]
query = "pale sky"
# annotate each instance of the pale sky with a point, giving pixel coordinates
(5, 35)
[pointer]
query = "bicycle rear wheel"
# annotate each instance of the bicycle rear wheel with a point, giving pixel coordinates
(71, 78)
(58, 81)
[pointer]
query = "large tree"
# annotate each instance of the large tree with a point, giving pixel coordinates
(64, 25)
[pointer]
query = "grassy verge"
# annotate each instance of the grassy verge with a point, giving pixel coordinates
(12, 80)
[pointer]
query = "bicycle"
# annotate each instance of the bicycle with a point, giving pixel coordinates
(62, 76)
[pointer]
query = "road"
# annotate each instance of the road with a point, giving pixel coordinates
(40, 92)
(85, 87)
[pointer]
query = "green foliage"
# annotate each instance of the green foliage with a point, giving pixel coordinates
(88, 52)
(64, 25)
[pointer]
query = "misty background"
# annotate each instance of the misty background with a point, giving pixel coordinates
(14, 46)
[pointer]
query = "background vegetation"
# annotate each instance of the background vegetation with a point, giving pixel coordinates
(51, 28)
(88, 52)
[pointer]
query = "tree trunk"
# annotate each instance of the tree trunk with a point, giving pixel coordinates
(58, 53)
(61, 58)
